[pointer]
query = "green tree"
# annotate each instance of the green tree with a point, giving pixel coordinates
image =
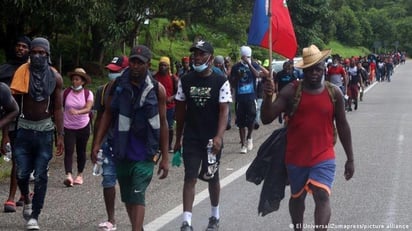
(348, 27)
(309, 19)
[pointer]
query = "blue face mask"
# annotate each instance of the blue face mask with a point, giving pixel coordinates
(77, 88)
(201, 67)
(115, 75)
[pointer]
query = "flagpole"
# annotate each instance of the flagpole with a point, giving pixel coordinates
(270, 37)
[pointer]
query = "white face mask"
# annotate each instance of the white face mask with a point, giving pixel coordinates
(201, 67)
(77, 88)
(115, 75)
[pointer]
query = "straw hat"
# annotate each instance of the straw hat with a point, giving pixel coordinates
(82, 73)
(311, 56)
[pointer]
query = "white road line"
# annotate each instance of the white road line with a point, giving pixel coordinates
(393, 201)
(172, 214)
(370, 87)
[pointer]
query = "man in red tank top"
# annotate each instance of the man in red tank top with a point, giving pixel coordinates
(310, 156)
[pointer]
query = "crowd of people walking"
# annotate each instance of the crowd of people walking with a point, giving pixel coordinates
(141, 116)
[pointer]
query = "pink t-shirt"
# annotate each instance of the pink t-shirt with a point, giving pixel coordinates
(76, 100)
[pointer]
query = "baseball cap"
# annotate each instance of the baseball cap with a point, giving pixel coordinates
(118, 63)
(203, 46)
(141, 52)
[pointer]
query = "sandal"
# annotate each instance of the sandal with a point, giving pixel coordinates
(9, 207)
(68, 181)
(78, 180)
(107, 226)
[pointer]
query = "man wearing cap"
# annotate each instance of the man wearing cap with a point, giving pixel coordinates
(169, 82)
(38, 89)
(116, 68)
(7, 70)
(202, 107)
(135, 113)
(244, 75)
(311, 164)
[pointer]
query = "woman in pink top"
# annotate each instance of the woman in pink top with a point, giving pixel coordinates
(77, 102)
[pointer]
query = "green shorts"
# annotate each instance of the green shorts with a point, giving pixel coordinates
(133, 178)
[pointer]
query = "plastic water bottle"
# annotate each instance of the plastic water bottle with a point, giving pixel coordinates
(211, 158)
(98, 168)
(7, 155)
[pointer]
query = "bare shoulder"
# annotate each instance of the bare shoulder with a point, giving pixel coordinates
(59, 78)
(288, 91)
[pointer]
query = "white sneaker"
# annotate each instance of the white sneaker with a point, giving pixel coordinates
(32, 224)
(249, 144)
(27, 210)
(243, 150)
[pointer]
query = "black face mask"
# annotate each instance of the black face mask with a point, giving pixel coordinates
(39, 62)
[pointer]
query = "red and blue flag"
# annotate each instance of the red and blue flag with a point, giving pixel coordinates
(283, 34)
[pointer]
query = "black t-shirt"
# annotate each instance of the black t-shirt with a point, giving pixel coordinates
(283, 78)
(202, 96)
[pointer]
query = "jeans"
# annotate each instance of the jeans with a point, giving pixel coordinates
(109, 167)
(33, 150)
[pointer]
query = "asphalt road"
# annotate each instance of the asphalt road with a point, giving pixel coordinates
(377, 198)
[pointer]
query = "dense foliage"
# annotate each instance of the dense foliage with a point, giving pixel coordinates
(90, 31)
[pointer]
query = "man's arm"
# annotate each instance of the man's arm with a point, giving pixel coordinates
(164, 133)
(104, 123)
(224, 99)
(58, 113)
(10, 107)
(271, 108)
(344, 133)
(222, 124)
(180, 112)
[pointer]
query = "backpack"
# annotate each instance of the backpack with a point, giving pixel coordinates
(298, 95)
(86, 96)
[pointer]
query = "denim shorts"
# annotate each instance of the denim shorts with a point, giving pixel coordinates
(109, 167)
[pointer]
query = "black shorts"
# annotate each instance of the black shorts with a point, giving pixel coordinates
(245, 113)
(195, 158)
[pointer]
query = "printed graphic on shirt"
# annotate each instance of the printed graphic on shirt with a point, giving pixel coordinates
(245, 84)
(200, 95)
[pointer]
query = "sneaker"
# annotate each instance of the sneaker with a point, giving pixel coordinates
(78, 180)
(186, 227)
(68, 181)
(9, 207)
(27, 210)
(243, 150)
(249, 144)
(107, 226)
(32, 224)
(213, 224)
